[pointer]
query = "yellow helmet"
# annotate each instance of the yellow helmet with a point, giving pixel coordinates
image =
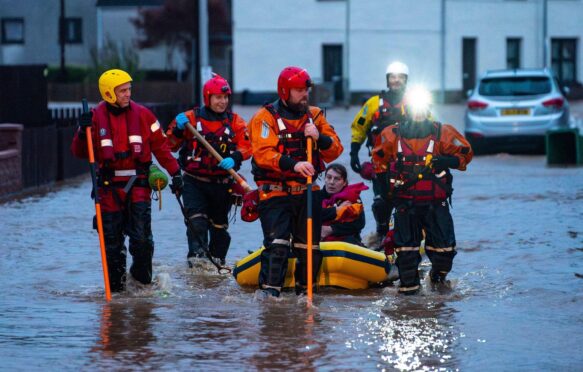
(111, 79)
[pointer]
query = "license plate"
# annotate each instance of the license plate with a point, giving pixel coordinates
(507, 112)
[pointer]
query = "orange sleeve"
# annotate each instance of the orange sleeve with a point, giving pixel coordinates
(333, 152)
(386, 150)
(264, 140)
(453, 143)
(349, 213)
(241, 138)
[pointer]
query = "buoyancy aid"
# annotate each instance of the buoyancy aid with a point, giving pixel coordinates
(114, 149)
(196, 159)
(411, 175)
(292, 143)
(386, 115)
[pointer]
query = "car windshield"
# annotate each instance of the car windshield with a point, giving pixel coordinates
(515, 86)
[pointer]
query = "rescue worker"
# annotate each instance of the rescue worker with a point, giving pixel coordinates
(342, 210)
(125, 135)
(207, 182)
(380, 111)
(419, 154)
(280, 168)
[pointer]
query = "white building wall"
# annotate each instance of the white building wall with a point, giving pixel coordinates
(269, 35)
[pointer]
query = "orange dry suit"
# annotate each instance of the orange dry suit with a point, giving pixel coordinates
(279, 143)
(419, 156)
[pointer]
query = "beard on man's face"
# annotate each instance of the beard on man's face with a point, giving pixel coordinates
(299, 107)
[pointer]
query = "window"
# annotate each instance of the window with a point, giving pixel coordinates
(513, 53)
(73, 31)
(12, 30)
(564, 60)
(515, 86)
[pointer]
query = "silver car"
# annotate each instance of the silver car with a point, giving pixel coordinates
(511, 110)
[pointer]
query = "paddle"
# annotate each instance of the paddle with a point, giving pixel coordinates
(92, 167)
(218, 156)
(309, 223)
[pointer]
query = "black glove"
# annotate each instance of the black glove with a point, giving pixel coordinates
(443, 162)
(177, 184)
(354, 160)
(86, 120)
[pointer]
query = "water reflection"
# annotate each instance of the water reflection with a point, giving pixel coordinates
(416, 333)
(286, 332)
(125, 331)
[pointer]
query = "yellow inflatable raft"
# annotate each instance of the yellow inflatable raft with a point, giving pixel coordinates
(344, 265)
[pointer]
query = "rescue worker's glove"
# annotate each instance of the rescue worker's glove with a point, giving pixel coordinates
(354, 160)
(227, 163)
(181, 120)
(444, 162)
(85, 121)
(177, 184)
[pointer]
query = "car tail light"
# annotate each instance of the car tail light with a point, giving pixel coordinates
(554, 103)
(476, 105)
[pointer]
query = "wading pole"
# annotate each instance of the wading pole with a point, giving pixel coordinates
(97, 206)
(309, 225)
(218, 156)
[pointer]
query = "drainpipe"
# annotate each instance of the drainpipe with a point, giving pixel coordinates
(442, 54)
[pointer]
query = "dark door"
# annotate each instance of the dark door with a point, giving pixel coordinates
(333, 69)
(468, 64)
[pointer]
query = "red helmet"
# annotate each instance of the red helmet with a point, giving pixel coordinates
(292, 77)
(215, 85)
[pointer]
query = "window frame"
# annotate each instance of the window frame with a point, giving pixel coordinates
(514, 62)
(561, 59)
(3, 24)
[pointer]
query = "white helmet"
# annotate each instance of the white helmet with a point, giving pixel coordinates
(398, 68)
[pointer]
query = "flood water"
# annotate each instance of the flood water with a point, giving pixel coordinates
(516, 302)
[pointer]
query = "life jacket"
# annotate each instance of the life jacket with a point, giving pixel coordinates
(350, 193)
(292, 143)
(111, 150)
(196, 159)
(411, 175)
(386, 115)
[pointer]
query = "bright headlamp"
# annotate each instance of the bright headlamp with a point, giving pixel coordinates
(418, 100)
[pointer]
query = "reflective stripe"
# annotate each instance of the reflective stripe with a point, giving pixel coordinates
(199, 126)
(446, 249)
(281, 241)
(407, 249)
(227, 131)
(106, 143)
(265, 286)
(305, 246)
(135, 139)
(125, 172)
(407, 289)
(399, 147)
(224, 227)
(154, 127)
(196, 215)
(280, 124)
(430, 146)
(381, 102)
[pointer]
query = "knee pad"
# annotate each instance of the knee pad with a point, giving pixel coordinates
(408, 263)
(274, 265)
(441, 261)
(381, 211)
(198, 224)
(220, 240)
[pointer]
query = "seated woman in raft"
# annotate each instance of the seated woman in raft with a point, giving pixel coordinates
(342, 209)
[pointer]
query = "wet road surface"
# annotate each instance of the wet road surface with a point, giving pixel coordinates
(515, 304)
